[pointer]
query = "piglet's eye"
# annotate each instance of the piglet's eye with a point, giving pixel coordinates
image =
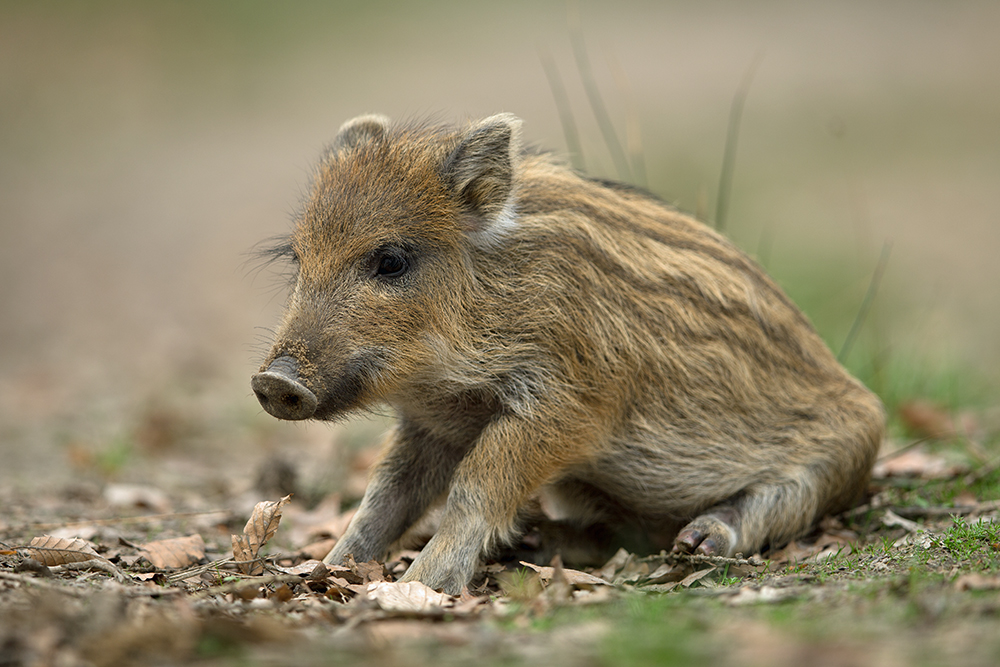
(391, 264)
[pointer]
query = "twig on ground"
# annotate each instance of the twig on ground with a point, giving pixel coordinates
(65, 586)
(754, 561)
(913, 512)
(199, 570)
(892, 520)
(123, 519)
(42, 583)
(99, 563)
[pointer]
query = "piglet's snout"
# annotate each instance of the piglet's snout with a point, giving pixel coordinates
(281, 393)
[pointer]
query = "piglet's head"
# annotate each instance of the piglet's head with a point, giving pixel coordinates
(386, 250)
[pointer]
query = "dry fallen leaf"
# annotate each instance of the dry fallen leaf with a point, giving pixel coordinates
(53, 551)
(334, 576)
(137, 495)
(695, 576)
(343, 588)
(559, 589)
(635, 570)
(826, 545)
(977, 582)
(367, 572)
(573, 577)
(408, 596)
(174, 553)
(926, 420)
(468, 603)
(261, 526)
(664, 574)
(916, 463)
(617, 562)
(245, 556)
(305, 568)
(71, 554)
(263, 522)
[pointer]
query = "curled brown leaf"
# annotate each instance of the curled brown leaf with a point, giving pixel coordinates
(263, 522)
(260, 528)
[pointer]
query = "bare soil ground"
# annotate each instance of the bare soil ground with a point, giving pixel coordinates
(145, 150)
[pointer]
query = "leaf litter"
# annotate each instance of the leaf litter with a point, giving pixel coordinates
(111, 600)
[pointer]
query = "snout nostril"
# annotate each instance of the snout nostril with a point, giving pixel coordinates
(292, 401)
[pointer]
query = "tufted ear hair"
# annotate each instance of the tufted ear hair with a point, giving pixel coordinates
(361, 130)
(480, 170)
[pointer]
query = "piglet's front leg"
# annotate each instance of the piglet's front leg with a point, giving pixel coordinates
(413, 472)
(505, 467)
(448, 562)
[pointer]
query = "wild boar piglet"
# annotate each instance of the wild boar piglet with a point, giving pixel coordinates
(536, 331)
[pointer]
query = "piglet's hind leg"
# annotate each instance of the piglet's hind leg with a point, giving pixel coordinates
(761, 515)
(714, 533)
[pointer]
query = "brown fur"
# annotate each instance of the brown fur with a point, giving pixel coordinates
(554, 332)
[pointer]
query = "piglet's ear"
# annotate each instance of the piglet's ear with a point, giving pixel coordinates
(361, 130)
(481, 172)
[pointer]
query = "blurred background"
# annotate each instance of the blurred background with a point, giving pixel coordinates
(145, 148)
